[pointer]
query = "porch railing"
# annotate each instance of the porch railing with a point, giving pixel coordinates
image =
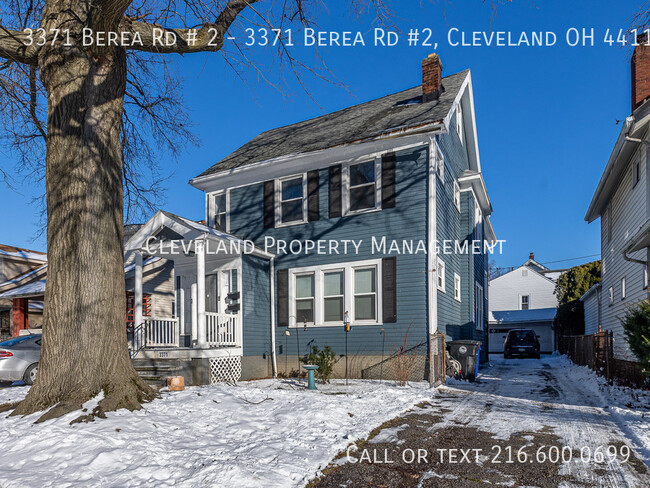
(221, 329)
(161, 332)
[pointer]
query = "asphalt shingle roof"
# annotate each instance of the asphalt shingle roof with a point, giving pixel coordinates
(359, 122)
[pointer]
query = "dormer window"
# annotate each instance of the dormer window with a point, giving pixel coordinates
(292, 208)
(459, 122)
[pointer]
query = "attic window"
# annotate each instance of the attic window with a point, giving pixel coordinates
(459, 122)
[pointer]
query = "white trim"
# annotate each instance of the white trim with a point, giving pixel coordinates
(345, 184)
(278, 200)
(457, 287)
(272, 304)
(459, 121)
(441, 284)
(479, 306)
(432, 293)
(292, 163)
(457, 195)
(623, 288)
(348, 298)
(439, 163)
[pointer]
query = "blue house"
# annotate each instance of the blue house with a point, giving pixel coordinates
(376, 216)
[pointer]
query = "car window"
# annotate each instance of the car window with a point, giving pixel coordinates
(526, 335)
(17, 340)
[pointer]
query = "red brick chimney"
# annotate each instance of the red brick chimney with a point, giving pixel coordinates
(531, 256)
(640, 65)
(431, 77)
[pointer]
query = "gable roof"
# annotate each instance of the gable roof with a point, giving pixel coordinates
(380, 117)
(518, 316)
(20, 253)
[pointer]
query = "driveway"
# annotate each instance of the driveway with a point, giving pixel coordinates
(525, 422)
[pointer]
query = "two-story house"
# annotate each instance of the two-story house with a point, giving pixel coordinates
(374, 216)
(523, 298)
(622, 202)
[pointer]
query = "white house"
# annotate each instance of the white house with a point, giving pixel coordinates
(622, 202)
(523, 298)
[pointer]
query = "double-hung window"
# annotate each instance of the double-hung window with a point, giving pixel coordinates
(457, 286)
(333, 295)
(362, 180)
(440, 275)
(292, 208)
(219, 210)
(365, 293)
(525, 302)
(305, 298)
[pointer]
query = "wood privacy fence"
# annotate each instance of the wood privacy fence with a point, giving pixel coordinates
(596, 352)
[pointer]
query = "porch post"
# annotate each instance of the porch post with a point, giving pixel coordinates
(137, 301)
(201, 341)
(195, 315)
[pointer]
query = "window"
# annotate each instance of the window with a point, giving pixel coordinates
(440, 275)
(623, 288)
(219, 211)
(479, 301)
(525, 302)
(440, 164)
(457, 286)
(305, 298)
(459, 122)
(333, 296)
(363, 186)
(611, 295)
(322, 294)
(637, 173)
(130, 306)
(292, 202)
(457, 195)
(645, 277)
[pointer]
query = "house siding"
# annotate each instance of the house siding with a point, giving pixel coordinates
(157, 281)
(628, 212)
(506, 290)
(591, 305)
(406, 221)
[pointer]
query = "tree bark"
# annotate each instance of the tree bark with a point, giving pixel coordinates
(84, 348)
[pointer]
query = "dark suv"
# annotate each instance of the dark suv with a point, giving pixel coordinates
(521, 342)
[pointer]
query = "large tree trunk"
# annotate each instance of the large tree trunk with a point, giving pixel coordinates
(84, 335)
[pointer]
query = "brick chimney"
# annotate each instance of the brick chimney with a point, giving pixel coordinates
(531, 256)
(431, 77)
(640, 65)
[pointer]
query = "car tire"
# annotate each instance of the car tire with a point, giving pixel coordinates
(505, 356)
(30, 374)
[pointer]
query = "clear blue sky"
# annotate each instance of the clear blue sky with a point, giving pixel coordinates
(546, 116)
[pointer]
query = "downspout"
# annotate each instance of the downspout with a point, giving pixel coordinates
(274, 361)
(432, 289)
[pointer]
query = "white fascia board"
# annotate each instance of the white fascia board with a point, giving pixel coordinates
(297, 163)
(476, 183)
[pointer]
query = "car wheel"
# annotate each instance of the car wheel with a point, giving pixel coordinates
(505, 356)
(30, 374)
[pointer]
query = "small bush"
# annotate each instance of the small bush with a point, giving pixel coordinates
(325, 360)
(636, 325)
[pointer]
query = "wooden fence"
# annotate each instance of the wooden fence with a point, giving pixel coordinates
(597, 352)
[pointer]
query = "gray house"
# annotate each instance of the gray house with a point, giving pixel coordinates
(622, 202)
(376, 216)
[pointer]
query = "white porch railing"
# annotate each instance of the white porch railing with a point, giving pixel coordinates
(222, 329)
(161, 332)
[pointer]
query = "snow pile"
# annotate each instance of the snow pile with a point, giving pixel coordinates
(262, 433)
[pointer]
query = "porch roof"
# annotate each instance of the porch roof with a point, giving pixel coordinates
(186, 229)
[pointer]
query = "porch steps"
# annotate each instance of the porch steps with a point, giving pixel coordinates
(155, 372)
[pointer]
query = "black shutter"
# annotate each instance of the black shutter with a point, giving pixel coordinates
(335, 191)
(388, 180)
(269, 204)
(389, 289)
(313, 209)
(283, 297)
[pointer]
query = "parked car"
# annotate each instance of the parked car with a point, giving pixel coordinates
(521, 342)
(19, 358)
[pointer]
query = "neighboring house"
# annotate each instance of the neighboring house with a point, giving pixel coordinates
(524, 298)
(18, 267)
(592, 301)
(622, 202)
(252, 297)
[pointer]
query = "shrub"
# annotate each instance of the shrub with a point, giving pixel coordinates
(636, 325)
(325, 360)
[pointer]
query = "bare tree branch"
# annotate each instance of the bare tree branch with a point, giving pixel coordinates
(14, 46)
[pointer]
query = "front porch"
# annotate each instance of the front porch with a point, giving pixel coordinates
(205, 325)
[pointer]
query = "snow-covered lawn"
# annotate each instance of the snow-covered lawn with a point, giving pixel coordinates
(263, 433)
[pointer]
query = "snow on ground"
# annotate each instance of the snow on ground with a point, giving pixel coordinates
(261, 433)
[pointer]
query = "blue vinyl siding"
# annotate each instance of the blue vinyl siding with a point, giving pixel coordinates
(256, 305)
(407, 221)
